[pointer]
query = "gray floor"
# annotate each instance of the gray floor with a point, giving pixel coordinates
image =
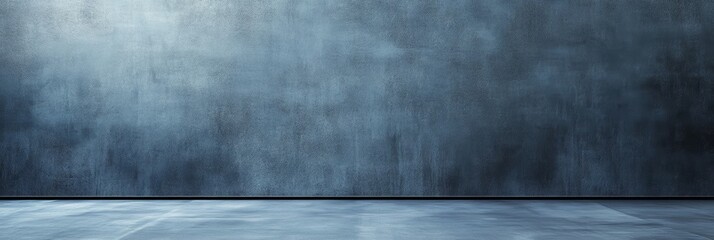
(348, 219)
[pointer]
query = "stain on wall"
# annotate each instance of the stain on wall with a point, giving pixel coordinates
(347, 97)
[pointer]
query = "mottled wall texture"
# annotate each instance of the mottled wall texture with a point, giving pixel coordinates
(356, 97)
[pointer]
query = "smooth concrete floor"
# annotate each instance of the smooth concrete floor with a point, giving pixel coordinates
(356, 219)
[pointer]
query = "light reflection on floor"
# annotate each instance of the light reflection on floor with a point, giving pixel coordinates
(355, 219)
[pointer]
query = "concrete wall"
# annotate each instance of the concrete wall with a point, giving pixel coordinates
(341, 97)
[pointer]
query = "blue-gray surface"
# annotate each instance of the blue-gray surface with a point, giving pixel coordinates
(322, 219)
(356, 97)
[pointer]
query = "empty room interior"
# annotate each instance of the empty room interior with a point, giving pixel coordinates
(356, 119)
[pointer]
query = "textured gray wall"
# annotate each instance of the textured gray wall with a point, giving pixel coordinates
(337, 97)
